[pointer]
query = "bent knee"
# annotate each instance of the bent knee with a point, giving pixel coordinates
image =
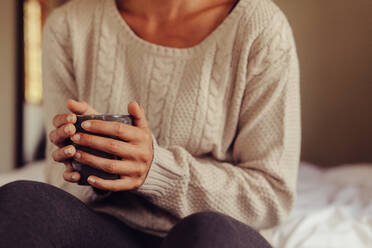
(206, 215)
(212, 229)
(32, 192)
(210, 220)
(18, 187)
(208, 224)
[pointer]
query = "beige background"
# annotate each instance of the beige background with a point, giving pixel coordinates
(334, 40)
(7, 83)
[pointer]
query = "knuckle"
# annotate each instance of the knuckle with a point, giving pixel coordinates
(111, 167)
(148, 137)
(113, 146)
(89, 159)
(140, 156)
(115, 188)
(149, 156)
(84, 157)
(142, 170)
(144, 156)
(137, 183)
(85, 139)
(120, 129)
(144, 137)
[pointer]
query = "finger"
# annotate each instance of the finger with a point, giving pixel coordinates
(108, 145)
(59, 135)
(113, 128)
(62, 119)
(80, 107)
(138, 114)
(120, 167)
(64, 153)
(70, 175)
(123, 184)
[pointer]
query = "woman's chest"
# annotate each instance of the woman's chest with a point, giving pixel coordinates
(185, 99)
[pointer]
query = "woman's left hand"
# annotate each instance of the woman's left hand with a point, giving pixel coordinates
(136, 150)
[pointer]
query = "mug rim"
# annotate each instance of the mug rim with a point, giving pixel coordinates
(105, 115)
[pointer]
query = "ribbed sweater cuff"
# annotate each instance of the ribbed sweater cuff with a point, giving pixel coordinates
(163, 175)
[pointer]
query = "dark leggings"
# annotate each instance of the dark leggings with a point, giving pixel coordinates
(39, 215)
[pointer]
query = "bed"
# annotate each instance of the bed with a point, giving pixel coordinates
(333, 207)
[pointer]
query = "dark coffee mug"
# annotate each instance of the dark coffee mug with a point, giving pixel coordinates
(86, 170)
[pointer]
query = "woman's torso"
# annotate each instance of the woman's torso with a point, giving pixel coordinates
(191, 96)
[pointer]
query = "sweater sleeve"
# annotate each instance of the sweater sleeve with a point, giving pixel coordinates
(258, 188)
(59, 85)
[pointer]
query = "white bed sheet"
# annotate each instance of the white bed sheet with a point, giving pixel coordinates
(333, 207)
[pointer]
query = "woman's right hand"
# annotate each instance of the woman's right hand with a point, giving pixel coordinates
(64, 129)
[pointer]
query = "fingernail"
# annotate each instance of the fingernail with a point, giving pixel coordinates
(91, 180)
(77, 155)
(74, 177)
(71, 118)
(69, 151)
(67, 129)
(76, 137)
(86, 124)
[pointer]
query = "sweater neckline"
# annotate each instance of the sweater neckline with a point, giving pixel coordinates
(172, 51)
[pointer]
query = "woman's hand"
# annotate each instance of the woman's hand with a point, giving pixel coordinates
(135, 148)
(64, 124)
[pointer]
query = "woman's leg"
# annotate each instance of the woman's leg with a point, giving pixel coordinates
(210, 230)
(39, 215)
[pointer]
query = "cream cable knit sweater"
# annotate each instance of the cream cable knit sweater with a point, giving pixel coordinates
(224, 114)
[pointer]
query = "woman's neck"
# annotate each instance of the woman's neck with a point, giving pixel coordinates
(174, 23)
(166, 10)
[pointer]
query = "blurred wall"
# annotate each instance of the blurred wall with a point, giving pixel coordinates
(7, 82)
(334, 42)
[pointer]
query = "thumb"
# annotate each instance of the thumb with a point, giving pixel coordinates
(138, 113)
(80, 107)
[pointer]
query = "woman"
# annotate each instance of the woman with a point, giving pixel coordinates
(214, 89)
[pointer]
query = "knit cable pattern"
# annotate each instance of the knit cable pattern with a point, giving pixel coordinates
(224, 114)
